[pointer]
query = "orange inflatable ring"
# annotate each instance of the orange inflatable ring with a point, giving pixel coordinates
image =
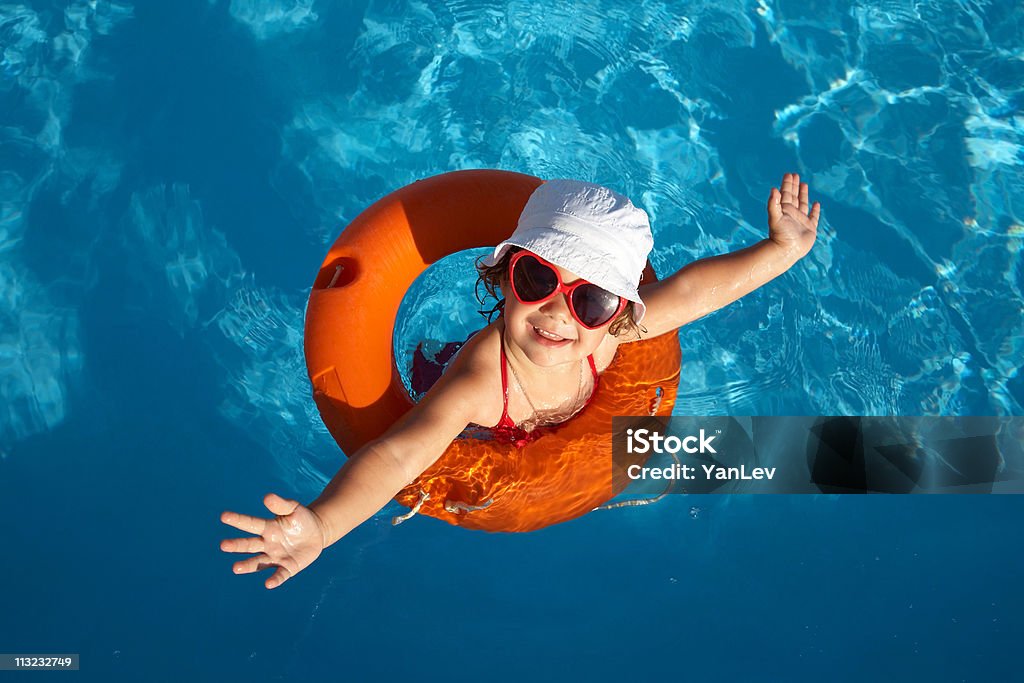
(350, 320)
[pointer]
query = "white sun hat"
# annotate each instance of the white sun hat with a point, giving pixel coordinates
(589, 230)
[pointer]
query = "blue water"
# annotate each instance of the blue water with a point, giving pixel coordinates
(171, 175)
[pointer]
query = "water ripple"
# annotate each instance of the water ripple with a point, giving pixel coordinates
(270, 18)
(42, 56)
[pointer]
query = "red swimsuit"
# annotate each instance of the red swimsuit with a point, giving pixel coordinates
(426, 371)
(506, 430)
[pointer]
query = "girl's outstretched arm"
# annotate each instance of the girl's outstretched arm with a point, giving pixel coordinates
(296, 536)
(382, 468)
(709, 284)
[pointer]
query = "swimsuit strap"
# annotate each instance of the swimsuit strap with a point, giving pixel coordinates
(593, 371)
(504, 421)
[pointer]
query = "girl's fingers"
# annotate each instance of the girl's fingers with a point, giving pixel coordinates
(279, 577)
(243, 545)
(278, 505)
(253, 564)
(794, 193)
(815, 213)
(774, 205)
(787, 189)
(253, 525)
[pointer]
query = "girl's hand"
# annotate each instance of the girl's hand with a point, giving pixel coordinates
(789, 223)
(290, 542)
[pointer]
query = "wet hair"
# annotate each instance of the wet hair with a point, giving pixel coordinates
(491, 277)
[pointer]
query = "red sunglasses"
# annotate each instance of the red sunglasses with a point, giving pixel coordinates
(534, 281)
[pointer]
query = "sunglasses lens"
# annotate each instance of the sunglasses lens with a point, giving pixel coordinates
(533, 280)
(594, 306)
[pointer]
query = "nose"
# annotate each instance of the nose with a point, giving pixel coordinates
(557, 307)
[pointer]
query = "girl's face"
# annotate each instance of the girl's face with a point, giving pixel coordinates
(546, 332)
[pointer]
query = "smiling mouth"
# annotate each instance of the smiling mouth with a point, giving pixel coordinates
(549, 336)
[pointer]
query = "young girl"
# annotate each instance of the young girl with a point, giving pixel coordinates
(570, 274)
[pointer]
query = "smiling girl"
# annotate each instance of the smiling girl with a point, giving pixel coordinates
(570, 275)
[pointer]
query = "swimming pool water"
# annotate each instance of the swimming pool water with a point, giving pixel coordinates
(171, 175)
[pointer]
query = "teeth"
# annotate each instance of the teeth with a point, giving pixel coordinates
(548, 335)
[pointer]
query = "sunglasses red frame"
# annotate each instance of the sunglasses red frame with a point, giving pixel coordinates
(562, 288)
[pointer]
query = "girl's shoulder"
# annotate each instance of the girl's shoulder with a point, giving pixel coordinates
(480, 360)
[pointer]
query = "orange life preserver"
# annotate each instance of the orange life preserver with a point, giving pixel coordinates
(350, 320)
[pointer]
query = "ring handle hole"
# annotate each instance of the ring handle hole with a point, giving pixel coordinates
(338, 273)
